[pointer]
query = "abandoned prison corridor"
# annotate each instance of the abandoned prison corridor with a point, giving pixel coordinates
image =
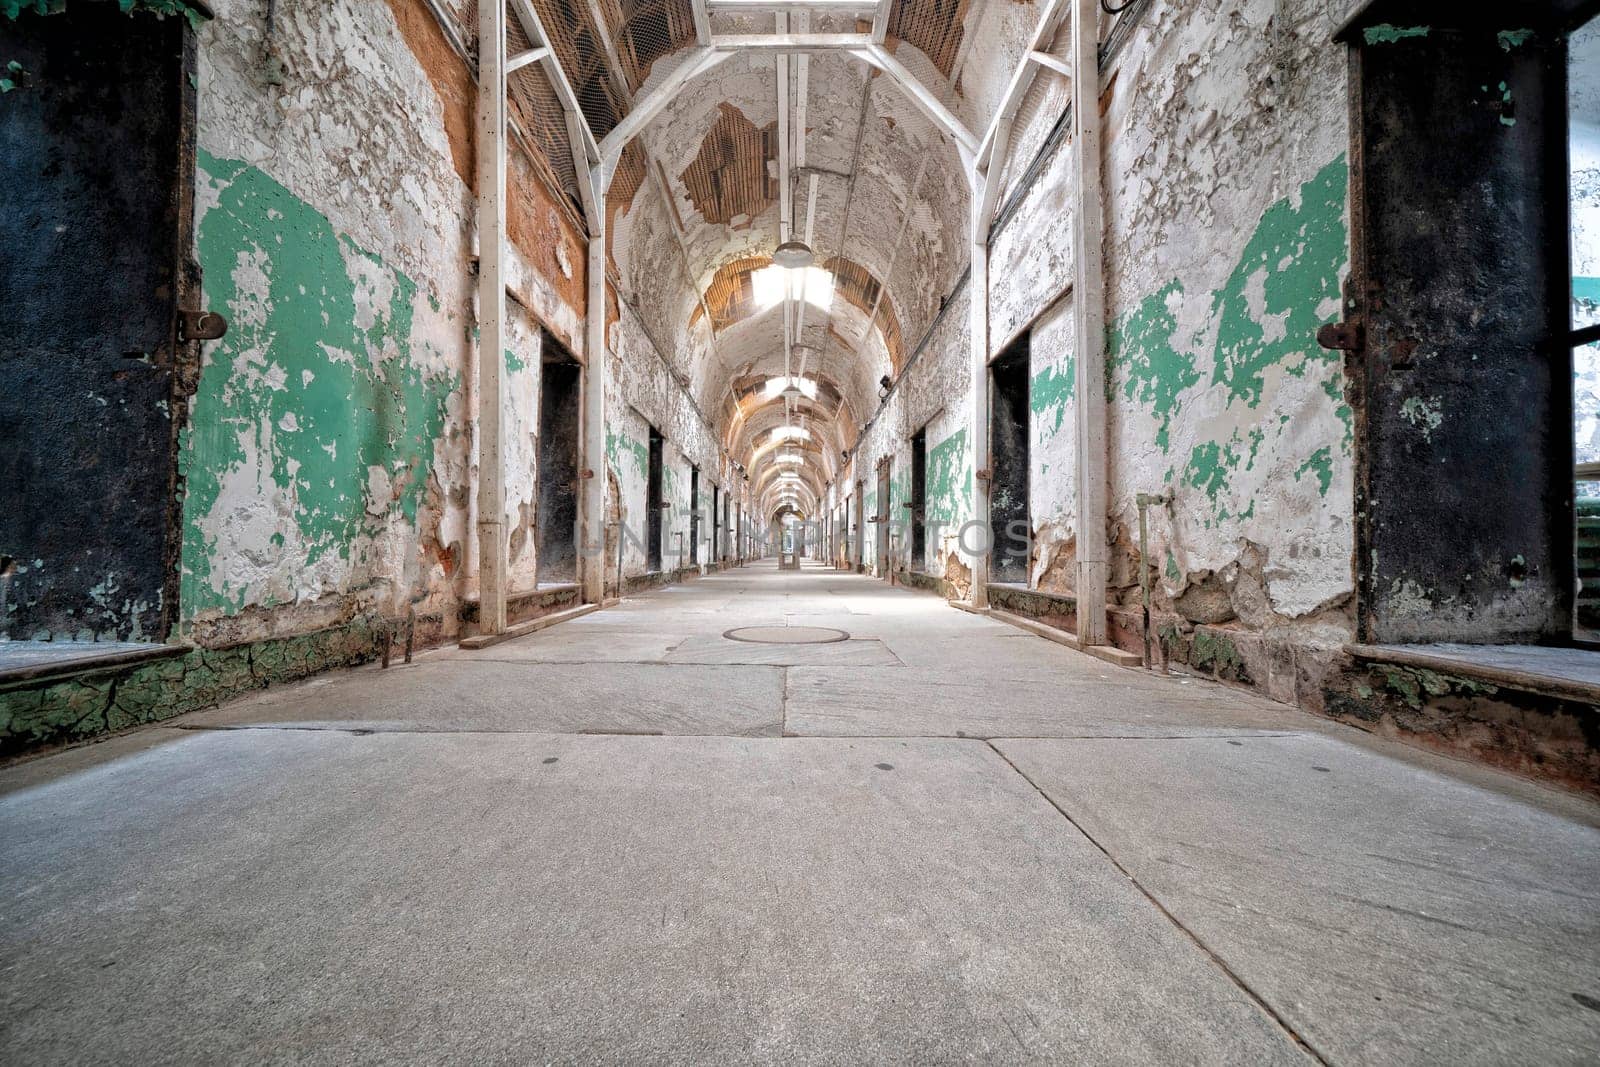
(631, 838)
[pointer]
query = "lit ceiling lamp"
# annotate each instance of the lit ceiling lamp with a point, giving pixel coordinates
(793, 255)
(793, 391)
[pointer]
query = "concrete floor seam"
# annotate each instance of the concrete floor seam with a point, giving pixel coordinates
(1233, 976)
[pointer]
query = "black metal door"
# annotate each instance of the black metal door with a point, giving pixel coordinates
(96, 258)
(1457, 327)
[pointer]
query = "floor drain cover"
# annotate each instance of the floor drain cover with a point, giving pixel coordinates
(787, 635)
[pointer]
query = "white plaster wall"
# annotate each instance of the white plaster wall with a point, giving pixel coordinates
(355, 131)
(642, 392)
(1053, 448)
(1225, 120)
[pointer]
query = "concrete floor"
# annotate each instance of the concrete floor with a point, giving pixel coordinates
(940, 840)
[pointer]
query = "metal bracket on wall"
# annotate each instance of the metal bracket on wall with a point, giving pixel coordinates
(201, 325)
(1341, 336)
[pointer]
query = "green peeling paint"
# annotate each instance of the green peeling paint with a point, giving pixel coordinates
(1586, 290)
(1213, 652)
(1141, 345)
(619, 443)
(514, 362)
(1299, 253)
(311, 383)
(1384, 33)
(1510, 39)
(1296, 255)
(1209, 465)
(1336, 393)
(1505, 98)
(1051, 393)
(1264, 320)
(1321, 464)
(36, 713)
(949, 479)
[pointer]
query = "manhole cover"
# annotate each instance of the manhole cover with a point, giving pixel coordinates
(787, 635)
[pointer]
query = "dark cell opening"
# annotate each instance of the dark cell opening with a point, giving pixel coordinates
(560, 384)
(694, 515)
(653, 503)
(99, 168)
(714, 552)
(919, 500)
(1457, 315)
(1008, 458)
(885, 519)
(859, 560)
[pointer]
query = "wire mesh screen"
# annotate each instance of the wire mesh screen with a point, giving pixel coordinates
(933, 26)
(626, 182)
(576, 39)
(536, 110)
(645, 30)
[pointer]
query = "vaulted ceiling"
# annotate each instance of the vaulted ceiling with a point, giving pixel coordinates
(820, 141)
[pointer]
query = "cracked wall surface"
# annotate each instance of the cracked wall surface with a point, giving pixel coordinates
(330, 464)
(1227, 244)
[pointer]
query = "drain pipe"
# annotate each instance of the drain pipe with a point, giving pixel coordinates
(1145, 502)
(1088, 236)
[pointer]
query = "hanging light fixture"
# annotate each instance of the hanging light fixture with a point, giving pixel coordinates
(793, 255)
(793, 392)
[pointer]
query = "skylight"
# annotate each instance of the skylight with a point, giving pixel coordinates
(771, 284)
(774, 386)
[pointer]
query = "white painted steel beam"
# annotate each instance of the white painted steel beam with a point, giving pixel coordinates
(491, 166)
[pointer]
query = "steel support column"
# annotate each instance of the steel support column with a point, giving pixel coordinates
(492, 564)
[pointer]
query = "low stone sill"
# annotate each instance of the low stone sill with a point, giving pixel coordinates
(543, 596)
(1006, 589)
(1562, 673)
(17, 666)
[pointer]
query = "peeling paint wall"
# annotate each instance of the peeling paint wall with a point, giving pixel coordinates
(330, 464)
(930, 393)
(1053, 449)
(1227, 243)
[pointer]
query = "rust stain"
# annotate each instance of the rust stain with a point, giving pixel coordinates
(537, 227)
(449, 77)
(537, 224)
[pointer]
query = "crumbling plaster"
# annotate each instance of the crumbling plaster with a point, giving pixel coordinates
(329, 466)
(1227, 243)
(642, 392)
(931, 393)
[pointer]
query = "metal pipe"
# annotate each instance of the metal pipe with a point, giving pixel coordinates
(1088, 235)
(492, 563)
(978, 312)
(1145, 500)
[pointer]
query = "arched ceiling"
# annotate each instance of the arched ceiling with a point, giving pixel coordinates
(696, 204)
